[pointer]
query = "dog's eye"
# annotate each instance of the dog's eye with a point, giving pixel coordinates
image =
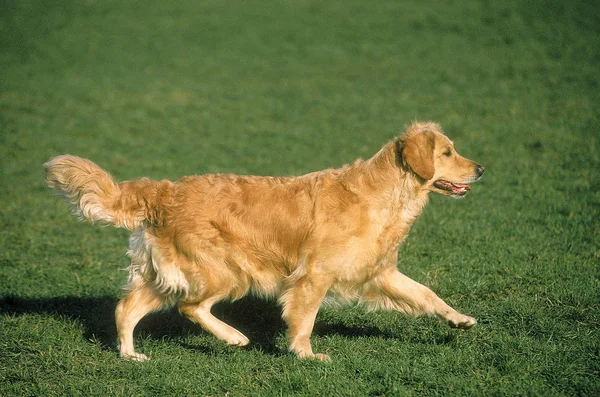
(448, 152)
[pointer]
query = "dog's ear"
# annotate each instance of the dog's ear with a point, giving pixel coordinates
(417, 152)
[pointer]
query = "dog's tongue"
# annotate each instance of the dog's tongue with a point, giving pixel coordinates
(456, 188)
(459, 188)
(462, 186)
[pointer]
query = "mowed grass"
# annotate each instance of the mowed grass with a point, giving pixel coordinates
(165, 89)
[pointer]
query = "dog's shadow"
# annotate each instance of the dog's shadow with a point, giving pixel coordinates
(260, 320)
(95, 314)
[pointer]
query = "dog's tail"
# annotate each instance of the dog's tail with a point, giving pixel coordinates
(93, 194)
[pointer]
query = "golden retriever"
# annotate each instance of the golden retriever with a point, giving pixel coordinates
(333, 233)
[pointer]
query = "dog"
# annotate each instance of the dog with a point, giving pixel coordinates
(333, 233)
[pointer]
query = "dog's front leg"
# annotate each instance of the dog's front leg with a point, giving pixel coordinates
(301, 302)
(392, 288)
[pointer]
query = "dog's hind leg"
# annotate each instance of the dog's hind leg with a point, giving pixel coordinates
(393, 290)
(199, 312)
(141, 300)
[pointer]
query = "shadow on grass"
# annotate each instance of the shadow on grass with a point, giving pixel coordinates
(96, 314)
(258, 319)
(412, 335)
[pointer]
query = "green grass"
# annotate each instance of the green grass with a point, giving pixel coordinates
(165, 89)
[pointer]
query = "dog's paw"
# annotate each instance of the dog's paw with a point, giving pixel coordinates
(237, 339)
(238, 342)
(315, 356)
(322, 357)
(463, 322)
(135, 357)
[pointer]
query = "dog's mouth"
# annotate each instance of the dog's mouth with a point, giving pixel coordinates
(454, 189)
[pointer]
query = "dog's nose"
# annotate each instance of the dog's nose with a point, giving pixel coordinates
(480, 169)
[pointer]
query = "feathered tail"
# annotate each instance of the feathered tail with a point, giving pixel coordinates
(93, 194)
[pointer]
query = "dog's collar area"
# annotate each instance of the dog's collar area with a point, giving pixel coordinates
(458, 189)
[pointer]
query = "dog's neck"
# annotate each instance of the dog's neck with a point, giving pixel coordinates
(390, 188)
(385, 176)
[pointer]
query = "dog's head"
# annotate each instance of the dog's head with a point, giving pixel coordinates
(425, 151)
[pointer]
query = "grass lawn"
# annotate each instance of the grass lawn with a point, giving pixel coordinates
(165, 89)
